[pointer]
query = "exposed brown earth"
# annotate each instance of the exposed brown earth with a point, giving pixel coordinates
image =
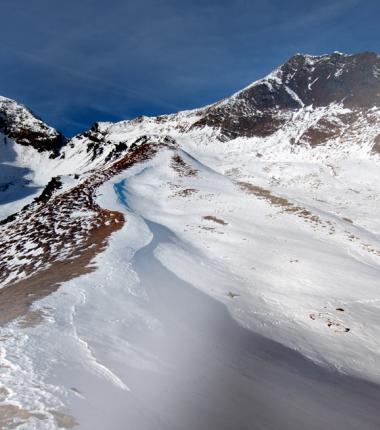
(321, 132)
(182, 168)
(16, 298)
(214, 219)
(63, 245)
(233, 123)
(12, 416)
(63, 421)
(32, 318)
(280, 202)
(185, 192)
(47, 271)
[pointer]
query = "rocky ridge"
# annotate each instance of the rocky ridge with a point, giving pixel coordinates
(20, 124)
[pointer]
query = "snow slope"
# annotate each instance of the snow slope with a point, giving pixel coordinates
(242, 289)
(130, 331)
(139, 332)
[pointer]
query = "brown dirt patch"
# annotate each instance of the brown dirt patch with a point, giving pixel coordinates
(308, 216)
(182, 168)
(16, 298)
(280, 202)
(32, 318)
(63, 245)
(214, 219)
(12, 416)
(63, 421)
(186, 192)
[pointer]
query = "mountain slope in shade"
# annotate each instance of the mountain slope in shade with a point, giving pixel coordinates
(212, 269)
(27, 148)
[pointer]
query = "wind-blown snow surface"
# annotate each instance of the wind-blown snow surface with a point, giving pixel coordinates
(217, 305)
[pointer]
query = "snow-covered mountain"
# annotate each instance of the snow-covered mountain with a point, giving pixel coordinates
(308, 102)
(21, 125)
(27, 145)
(200, 262)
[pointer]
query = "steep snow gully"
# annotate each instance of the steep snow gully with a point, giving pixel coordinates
(220, 375)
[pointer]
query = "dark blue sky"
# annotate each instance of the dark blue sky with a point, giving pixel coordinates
(75, 62)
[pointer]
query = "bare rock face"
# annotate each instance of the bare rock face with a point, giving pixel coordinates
(352, 81)
(21, 125)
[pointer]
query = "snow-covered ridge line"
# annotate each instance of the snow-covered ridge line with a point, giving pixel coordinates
(61, 227)
(19, 123)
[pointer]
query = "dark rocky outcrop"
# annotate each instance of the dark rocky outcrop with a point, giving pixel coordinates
(21, 125)
(265, 106)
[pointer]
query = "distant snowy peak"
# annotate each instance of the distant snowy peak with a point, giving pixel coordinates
(21, 125)
(350, 81)
(353, 80)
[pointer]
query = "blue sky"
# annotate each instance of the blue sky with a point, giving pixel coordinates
(75, 62)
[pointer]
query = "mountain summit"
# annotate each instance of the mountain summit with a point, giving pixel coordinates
(353, 80)
(349, 81)
(20, 124)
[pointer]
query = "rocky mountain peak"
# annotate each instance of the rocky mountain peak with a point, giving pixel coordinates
(352, 81)
(21, 125)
